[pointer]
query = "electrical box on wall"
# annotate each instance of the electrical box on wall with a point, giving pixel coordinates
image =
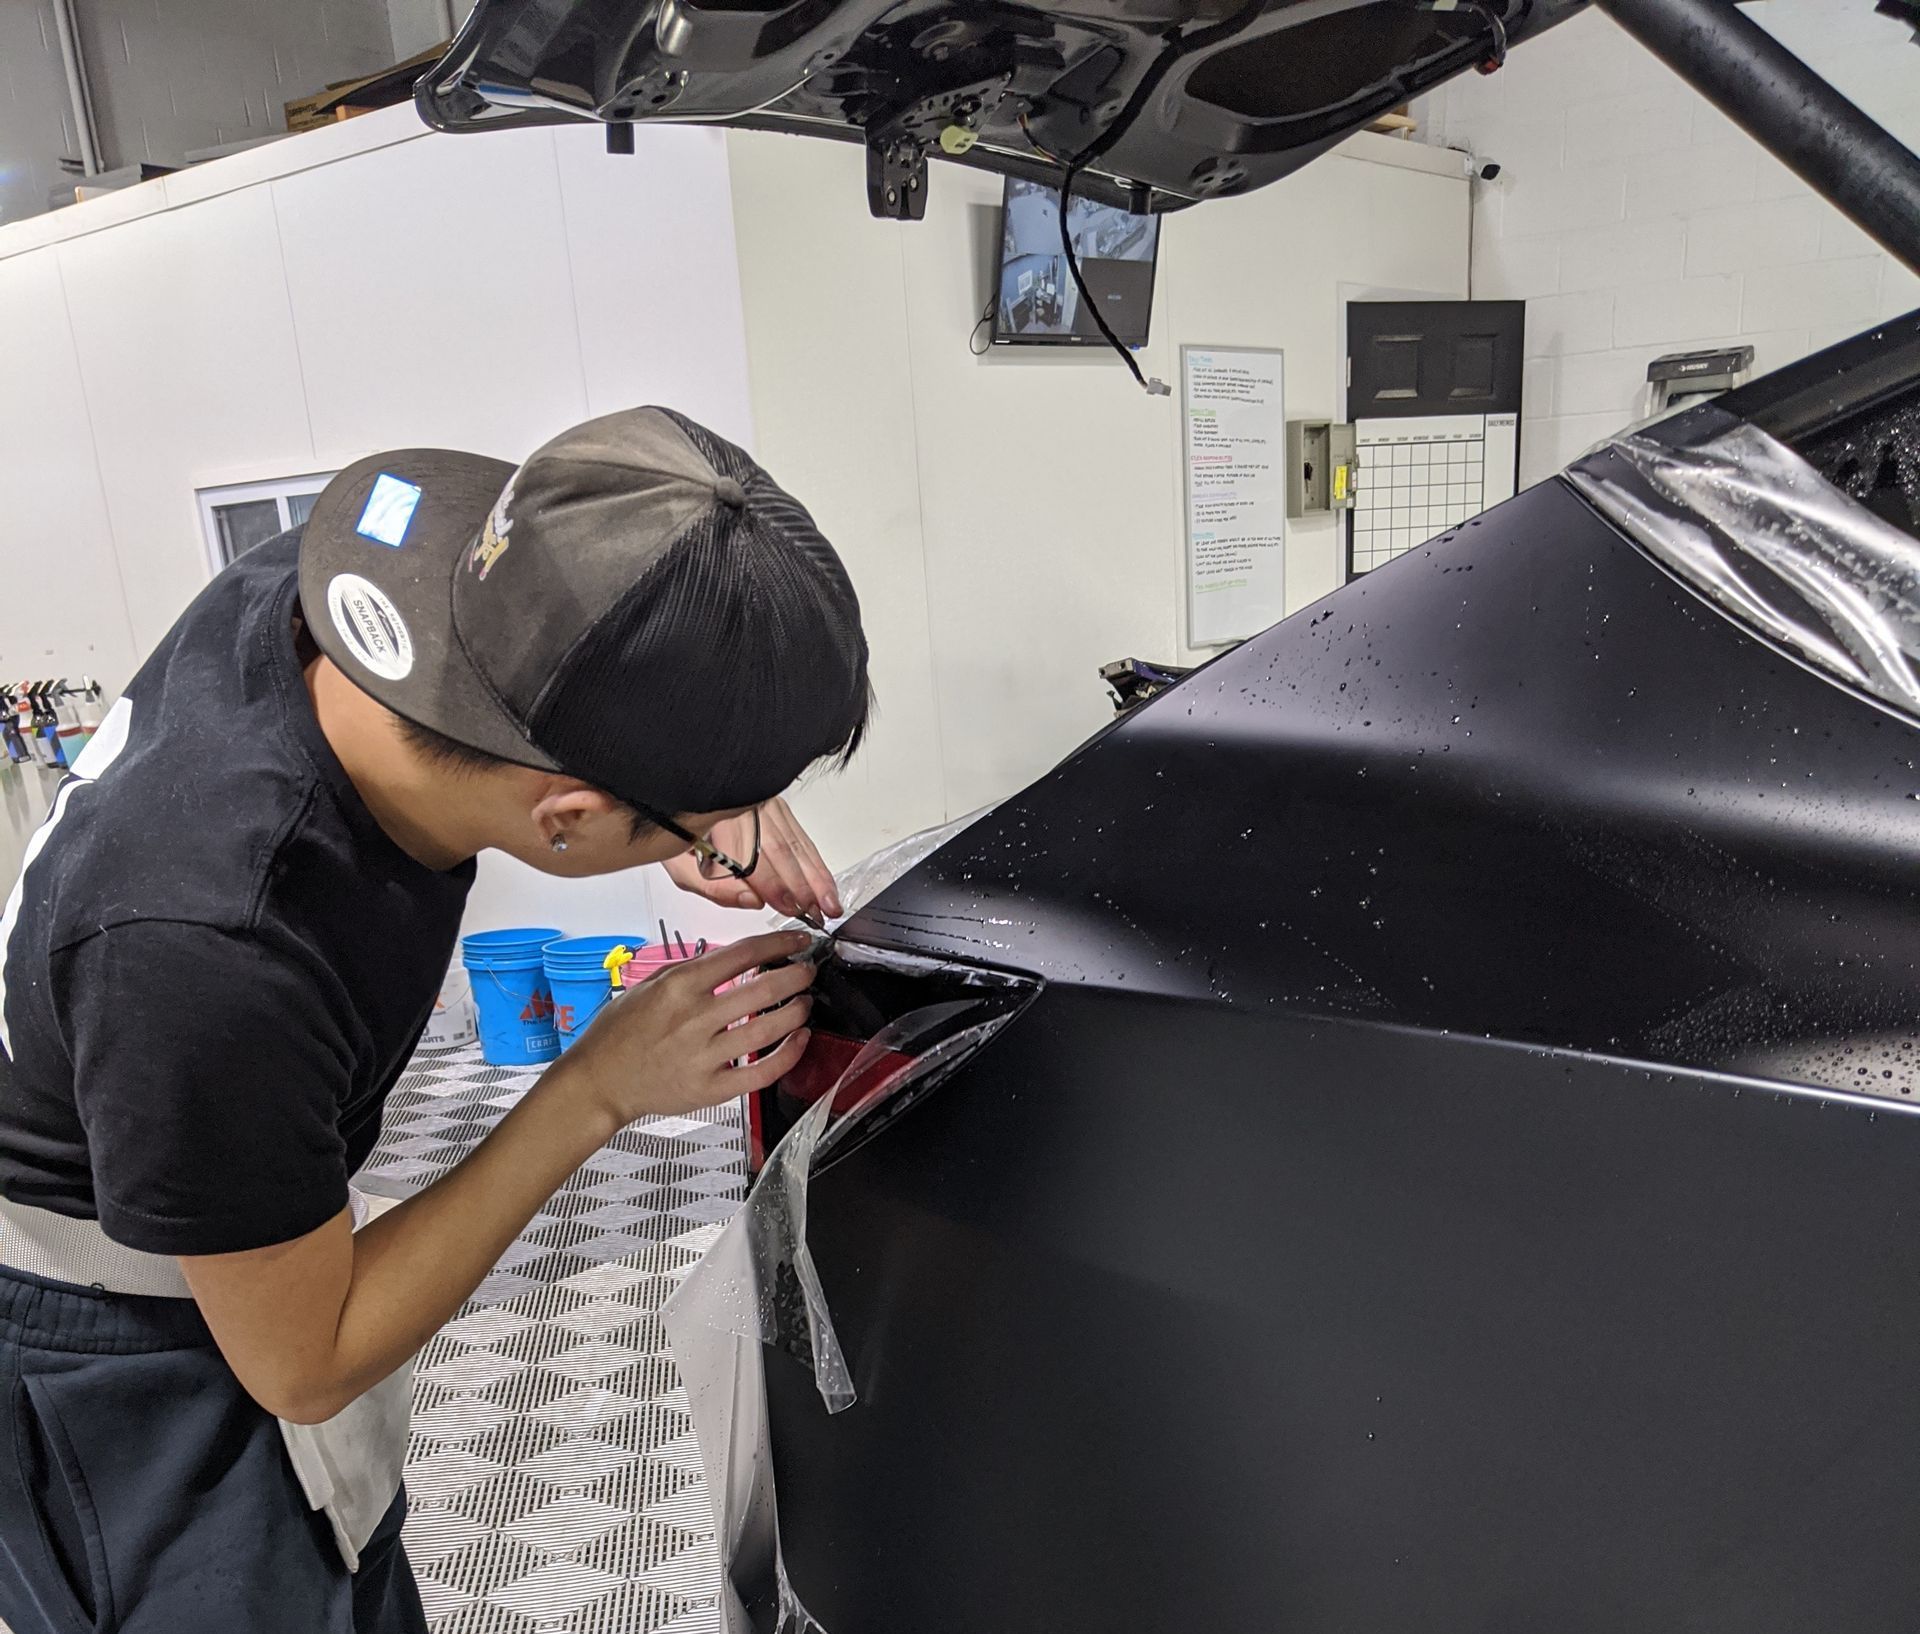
(1681, 379)
(1320, 467)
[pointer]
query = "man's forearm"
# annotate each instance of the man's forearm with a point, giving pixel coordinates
(311, 1323)
(417, 1264)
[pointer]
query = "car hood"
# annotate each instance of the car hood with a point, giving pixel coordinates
(1155, 103)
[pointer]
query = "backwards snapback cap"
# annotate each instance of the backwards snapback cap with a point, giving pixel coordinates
(638, 605)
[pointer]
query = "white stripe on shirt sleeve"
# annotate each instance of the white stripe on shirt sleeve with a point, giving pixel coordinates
(100, 753)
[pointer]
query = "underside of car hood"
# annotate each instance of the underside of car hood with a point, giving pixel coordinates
(1154, 103)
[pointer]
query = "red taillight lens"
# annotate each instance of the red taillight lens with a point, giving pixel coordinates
(823, 1065)
(825, 1062)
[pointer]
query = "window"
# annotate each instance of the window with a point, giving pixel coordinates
(241, 515)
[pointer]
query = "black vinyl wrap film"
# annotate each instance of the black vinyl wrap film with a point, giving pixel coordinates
(757, 1286)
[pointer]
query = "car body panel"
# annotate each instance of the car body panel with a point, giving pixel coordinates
(1458, 1171)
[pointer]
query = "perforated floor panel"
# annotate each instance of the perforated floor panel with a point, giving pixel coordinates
(553, 1476)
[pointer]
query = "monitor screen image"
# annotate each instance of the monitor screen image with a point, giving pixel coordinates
(1039, 304)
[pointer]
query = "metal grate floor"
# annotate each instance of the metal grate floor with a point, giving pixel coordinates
(554, 1480)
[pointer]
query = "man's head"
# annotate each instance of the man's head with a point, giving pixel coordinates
(637, 616)
(524, 812)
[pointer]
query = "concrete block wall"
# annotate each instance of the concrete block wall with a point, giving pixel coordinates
(35, 128)
(170, 77)
(1634, 219)
(418, 25)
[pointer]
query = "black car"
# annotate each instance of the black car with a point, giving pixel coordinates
(1457, 1171)
(1414, 1127)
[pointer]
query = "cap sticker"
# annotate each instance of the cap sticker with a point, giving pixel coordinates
(388, 510)
(492, 543)
(371, 626)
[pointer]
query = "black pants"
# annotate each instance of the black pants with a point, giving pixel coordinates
(142, 1491)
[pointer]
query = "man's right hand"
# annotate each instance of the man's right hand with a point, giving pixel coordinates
(310, 1324)
(669, 1045)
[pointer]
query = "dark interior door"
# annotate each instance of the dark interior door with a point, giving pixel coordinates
(1433, 391)
(1434, 357)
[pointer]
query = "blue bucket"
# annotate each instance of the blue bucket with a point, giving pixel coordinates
(512, 1003)
(577, 974)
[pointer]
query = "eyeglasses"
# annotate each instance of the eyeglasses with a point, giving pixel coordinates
(715, 863)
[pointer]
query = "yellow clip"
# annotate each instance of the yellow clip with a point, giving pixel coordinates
(957, 139)
(615, 962)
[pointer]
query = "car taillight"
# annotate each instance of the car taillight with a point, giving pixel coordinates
(862, 994)
(825, 1063)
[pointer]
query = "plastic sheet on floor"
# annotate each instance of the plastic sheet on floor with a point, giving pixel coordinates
(1757, 530)
(757, 1286)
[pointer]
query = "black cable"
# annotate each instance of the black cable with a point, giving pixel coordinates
(1177, 46)
(1499, 28)
(1026, 130)
(1069, 171)
(1156, 388)
(972, 339)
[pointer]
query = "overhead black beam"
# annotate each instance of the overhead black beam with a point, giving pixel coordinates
(1788, 109)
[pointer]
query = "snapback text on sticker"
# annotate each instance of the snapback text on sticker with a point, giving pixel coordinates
(371, 626)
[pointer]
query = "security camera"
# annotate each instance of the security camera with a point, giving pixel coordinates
(1486, 169)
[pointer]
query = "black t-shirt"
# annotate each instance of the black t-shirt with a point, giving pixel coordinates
(215, 963)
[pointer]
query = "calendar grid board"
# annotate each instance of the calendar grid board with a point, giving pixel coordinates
(1421, 476)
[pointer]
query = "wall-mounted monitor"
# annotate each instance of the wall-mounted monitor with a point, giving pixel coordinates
(1039, 304)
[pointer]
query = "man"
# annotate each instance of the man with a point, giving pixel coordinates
(230, 931)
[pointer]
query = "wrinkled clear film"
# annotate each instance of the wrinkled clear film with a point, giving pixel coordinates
(867, 878)
(758, 1286)
(1757, 530)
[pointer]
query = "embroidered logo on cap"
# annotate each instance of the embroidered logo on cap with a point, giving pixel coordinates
(493, 541)
(388, 510)
(371, 626)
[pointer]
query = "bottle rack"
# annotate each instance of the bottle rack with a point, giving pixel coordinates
(47, 722)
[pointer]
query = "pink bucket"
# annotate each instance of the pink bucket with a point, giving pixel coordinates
(649, 959)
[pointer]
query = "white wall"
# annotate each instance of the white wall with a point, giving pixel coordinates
(1011, 521)
(1635, 219)
(64, 611)
(25, 794)
(1016, 520)
(289, 309)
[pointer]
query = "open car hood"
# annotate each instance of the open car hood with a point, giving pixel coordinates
(1164, 102)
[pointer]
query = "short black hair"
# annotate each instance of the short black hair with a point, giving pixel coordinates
(444, 751)
(463, 757)
(453, 755)
(450, 753)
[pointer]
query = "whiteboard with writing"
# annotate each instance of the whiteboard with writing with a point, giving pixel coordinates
(1234, 411)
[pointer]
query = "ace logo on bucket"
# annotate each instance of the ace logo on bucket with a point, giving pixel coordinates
(371, 626)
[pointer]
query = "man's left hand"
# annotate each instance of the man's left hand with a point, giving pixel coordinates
(791, 877)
